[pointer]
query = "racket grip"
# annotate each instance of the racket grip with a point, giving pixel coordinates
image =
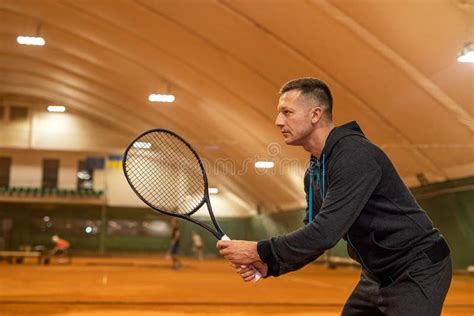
(258, 276)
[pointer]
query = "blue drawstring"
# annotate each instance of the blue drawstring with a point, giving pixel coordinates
(321, 185)
(310, 202)
(322, 182)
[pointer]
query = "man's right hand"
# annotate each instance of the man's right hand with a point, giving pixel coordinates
(247, 272)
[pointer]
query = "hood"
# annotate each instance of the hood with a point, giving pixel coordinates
(338, 133)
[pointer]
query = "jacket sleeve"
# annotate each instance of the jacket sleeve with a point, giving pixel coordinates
(353, 176)
(278, 268)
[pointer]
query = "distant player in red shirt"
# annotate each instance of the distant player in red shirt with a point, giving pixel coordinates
(60, 249)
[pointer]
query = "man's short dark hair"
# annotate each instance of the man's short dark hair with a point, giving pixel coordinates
(311, 88)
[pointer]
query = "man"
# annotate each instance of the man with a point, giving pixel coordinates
(198, 245)
(174, 245)
(353, 192)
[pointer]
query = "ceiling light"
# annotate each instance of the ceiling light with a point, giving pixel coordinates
(142, 145)
(467, 54)
(167, 98)
(213, 190)
(264, 164)
(56, 108)
(30, 40)
(84, 175)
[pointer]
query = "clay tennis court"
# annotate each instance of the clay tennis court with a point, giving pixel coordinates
(80, 80)
(147, 286)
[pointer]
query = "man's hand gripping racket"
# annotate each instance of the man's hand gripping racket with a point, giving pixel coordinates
(167, 174)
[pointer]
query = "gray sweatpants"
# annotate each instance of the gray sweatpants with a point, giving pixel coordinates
(420, 290)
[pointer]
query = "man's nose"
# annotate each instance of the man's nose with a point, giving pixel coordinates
(279, 121)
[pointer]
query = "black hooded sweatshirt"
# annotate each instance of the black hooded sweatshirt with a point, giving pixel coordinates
(359, 196)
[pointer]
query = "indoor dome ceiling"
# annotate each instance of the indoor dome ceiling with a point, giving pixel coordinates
(391, 65)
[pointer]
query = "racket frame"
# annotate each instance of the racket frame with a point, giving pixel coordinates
(218, 233)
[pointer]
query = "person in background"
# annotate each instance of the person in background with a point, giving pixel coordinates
(198, 245)
(61, 247)
(174, 245)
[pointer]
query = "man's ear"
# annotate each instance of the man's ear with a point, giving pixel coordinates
(316, 114)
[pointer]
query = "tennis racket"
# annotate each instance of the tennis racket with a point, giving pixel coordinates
(167, 174)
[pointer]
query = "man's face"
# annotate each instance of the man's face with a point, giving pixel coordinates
(294, 118)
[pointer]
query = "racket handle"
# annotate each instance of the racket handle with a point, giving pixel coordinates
(258, 276)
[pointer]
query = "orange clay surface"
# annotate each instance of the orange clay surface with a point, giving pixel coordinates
(147, 286)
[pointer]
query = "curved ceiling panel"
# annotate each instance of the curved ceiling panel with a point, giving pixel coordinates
(391, 68)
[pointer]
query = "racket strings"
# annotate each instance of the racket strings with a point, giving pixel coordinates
(152, 190)
(148, 176)
(166, 173)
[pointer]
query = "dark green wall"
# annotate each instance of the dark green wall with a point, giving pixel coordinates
(451, 207)
(68, 221)
(449, 204)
